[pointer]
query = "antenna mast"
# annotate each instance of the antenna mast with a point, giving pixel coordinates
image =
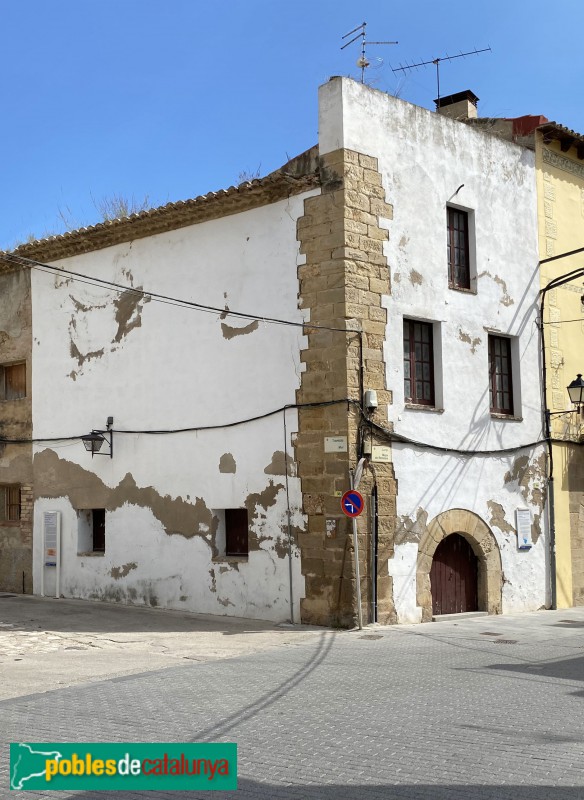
(436, 62)
(361, 62)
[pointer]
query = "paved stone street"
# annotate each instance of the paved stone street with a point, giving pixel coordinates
(489, 707)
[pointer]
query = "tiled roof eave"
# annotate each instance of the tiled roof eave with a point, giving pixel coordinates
(172, 216)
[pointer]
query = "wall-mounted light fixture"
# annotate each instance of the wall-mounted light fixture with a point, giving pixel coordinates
(93, 441)
(576, 392)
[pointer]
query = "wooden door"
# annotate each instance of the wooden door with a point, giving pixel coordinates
(454, 577)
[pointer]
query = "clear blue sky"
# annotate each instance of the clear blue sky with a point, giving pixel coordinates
(173, 99)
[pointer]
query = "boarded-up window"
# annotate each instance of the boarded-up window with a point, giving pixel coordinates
(98, 522)
(13, 381)
(236, 532)
(9, 503)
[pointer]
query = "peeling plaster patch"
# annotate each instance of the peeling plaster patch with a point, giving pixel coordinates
(129, 307)
(415, 278)
(225, 313)
(59, 477)
(213, 580)
(80, 308)
(506, 300)
(125, 569)
(227, 463)
(403, 241)
(254, 503)
(464, 337)
(409, 530)
(498, 517)
(81, 357)
(278, 465)
(529, 478)
(397, 278)
(225, 602)
(229, 332)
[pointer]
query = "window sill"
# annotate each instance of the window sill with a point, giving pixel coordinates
(10, 524)
(461, 289)
(507, 417)
(420, 407)
(92, 554)
(230, 559)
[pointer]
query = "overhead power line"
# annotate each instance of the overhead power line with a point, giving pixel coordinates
(118, 287)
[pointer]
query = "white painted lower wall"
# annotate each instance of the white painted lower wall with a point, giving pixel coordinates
(442, 483)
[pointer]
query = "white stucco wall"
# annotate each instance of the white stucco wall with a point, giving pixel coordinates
(427, 162)
(162, 367)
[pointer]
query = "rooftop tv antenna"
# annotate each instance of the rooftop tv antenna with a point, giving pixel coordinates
(362, 62)
(437, 61)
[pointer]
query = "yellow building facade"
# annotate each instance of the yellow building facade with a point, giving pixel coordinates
(560, 185)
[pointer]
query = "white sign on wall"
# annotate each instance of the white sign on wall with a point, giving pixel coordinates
(335, 444)
(51, 548)
(523, 520)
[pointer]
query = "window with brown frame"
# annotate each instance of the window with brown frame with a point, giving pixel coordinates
(236, 532)
(9, 503)
(418, 363)
(13, 381)
(500, 375)
(458, 249)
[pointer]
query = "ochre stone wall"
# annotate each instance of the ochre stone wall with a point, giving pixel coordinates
(342, 283)
(16, 423)
(576, 490)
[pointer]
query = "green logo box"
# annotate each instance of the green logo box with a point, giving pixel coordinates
(43, 766)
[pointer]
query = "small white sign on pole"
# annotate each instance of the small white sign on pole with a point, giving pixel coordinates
(523, 520)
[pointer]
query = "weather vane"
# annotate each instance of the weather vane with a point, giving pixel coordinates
(436, 62)
(362, 62)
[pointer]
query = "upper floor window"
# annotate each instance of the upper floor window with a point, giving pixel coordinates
(13, 381)
(9, 503)
(418, 363)
(500, 376)
(458, 248)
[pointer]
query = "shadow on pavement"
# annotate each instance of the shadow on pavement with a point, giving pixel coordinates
(25, 612)
(569, 669)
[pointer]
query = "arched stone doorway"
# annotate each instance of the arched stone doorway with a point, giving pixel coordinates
(454, 577)
(484, 546)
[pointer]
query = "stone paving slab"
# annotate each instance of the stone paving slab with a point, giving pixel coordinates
(47, 643)
(417, 713)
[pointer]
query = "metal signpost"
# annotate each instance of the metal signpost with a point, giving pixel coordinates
(352, 504)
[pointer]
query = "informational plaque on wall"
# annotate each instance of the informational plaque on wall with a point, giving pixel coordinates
(51, 544)
(523, 518)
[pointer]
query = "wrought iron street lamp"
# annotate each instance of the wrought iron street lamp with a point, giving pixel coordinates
(576, 392)
(93, 441)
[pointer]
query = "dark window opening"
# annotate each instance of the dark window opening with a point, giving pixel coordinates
(236, 532)
(98, 528)
(500, 377)
(458, 249)
(418, 363)
(13, 381)
(9, 503)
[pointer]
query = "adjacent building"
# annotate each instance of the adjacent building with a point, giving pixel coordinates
(367, 313)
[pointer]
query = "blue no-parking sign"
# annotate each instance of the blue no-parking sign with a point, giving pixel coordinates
(352, 503)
